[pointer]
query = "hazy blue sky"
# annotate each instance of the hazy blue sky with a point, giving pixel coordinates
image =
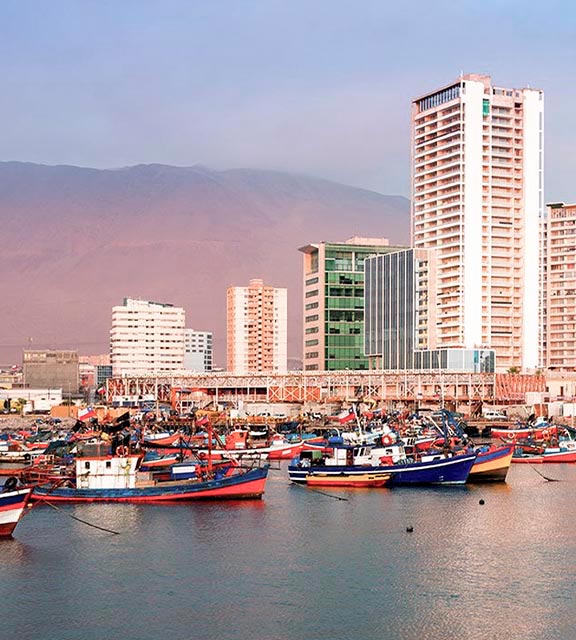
(315, 86)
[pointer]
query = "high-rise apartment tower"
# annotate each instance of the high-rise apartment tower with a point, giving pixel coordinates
(146, 338)
(477, 200)
(257, 328)
(560, 287)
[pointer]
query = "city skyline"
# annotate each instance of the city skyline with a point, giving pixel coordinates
(322, 89)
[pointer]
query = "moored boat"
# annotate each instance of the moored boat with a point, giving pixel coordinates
(104, 475)
(362, 459)
(12, 505)
(492, 464)
(343, 479)
(115, 479)
(548, 455)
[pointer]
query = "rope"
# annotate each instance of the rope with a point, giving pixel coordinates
(543, 476)
(53, 506)
(116, 533)
(323, 493)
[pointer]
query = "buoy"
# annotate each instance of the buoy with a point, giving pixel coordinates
(480, 501)
(409, 529)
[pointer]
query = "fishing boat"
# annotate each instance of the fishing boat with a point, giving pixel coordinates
(492, 464)
(162, 439)
(13, 502)
(540, 432)
(237, 446)
(343, 479)
(152, 460)
(563, 453)
(100, 475)
(404, 470)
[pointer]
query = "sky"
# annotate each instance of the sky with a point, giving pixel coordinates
(310, 86)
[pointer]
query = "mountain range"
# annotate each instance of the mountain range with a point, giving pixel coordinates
(76, 241)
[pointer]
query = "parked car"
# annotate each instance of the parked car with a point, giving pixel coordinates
(495, 415)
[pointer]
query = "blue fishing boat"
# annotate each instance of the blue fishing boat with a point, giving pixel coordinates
(392, 460)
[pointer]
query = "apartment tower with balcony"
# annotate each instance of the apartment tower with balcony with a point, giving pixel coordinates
(257, 329)
(146, 338)
(477, 200)
(560, 287)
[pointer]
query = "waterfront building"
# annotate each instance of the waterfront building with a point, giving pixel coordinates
(400, 317)
(51, 369)
(333, 302)
(477, 199)
(257, 328)
(31, 400)
(102, 373)
(560, 287)
(197, 350)
(146, 337)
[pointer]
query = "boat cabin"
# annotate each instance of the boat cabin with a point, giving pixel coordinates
(97, 469)
(348, 455)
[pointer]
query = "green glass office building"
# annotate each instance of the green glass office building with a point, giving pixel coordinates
(333, 302)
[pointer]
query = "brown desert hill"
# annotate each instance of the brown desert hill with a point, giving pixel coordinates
(76, 241)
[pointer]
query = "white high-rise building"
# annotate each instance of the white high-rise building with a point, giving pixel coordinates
(257, 329)
(198, 350)
(146, 338)
(477, 200)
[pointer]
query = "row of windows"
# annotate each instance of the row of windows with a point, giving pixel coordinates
(348, 278)
(345, 341)
(439, 98)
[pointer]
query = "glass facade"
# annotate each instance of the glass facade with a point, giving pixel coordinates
(391, 309)
(462, 360)
(344, 304)
(397, 314)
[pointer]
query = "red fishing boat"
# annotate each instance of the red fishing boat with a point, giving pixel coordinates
(102, 476)
(537, 433)
(548, 455)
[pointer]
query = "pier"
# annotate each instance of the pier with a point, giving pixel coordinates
(381, 387)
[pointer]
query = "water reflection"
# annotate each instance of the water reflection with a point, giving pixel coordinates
(302, 565)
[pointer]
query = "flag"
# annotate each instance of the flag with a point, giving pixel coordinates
(101, 390)
(200, 422)
(86, 414)
(124, 417)
(347, 416)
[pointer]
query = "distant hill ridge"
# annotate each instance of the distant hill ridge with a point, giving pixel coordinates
(76, 241)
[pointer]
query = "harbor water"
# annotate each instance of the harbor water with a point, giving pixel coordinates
(474, 562)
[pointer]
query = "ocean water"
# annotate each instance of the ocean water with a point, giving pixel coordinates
(303, 565)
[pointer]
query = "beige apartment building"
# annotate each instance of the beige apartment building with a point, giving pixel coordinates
(560, 286)
(257, 329)
(477, 200)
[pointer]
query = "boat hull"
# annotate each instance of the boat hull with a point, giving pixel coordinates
(492, 466)
(12, 505)
(367, 480)
(546, 457)
(248, 485)
(435, 472)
